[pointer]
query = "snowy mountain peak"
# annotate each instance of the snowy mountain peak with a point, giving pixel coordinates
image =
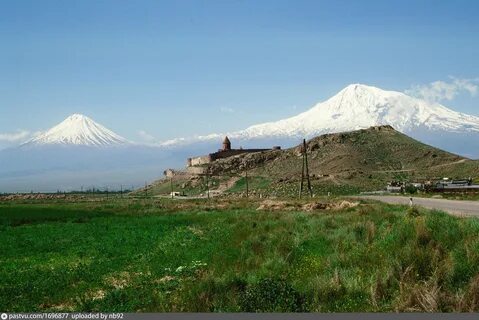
(360, 91)
(78, 129)
(77, 117)
(360, 106)
(357, 106)
(357, 87)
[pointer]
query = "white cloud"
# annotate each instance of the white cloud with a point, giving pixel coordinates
(18, 136)
(227, 110)
(441, 90)
(146, 136)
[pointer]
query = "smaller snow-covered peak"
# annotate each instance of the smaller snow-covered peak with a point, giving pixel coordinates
(78, 129)
(76, 117)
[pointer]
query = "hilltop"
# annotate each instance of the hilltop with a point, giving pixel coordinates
(346, 162)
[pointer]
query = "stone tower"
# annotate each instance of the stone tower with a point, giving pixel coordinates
(226, 144)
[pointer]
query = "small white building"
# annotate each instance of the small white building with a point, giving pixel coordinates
(394, 189)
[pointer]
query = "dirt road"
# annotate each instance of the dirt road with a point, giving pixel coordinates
(457, 207)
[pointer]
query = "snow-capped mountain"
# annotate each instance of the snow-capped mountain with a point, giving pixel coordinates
(359, 106)
(79, 130)
(79, 152)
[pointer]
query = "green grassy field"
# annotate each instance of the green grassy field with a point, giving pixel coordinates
(226, 256)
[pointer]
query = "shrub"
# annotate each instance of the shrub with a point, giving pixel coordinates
(413, 212)
(471, 301)
(410, 189)
(272, 295)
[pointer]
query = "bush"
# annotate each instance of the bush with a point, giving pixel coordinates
(272, 295)
(410, 189)
(413, 212)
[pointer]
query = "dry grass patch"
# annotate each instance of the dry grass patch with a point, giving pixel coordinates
(278, 205)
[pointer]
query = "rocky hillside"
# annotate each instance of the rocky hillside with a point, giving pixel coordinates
(347, 162)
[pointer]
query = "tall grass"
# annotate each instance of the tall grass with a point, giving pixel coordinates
(152, 255)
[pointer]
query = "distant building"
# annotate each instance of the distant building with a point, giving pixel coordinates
(225, 152)
(450, 185)
(395, 187)
(418, 185)
(436, 185)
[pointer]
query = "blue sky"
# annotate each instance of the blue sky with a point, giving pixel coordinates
(179, 68)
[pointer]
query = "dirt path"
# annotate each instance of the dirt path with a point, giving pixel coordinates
(225, 185)
(392, 170)
(449, 164)
(433, 167)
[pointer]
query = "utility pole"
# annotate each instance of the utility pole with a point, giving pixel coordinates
(171, 187)
(302, 171)
(305, 171)
(247, 186)
(208, 181)
(307, 168)
(208, 184)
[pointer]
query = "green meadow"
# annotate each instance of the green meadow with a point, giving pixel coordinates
(226, 256)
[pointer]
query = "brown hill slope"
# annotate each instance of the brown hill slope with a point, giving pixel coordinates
(345, 162)
(363, 159)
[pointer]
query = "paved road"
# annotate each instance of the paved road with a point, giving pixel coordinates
(457, 207)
